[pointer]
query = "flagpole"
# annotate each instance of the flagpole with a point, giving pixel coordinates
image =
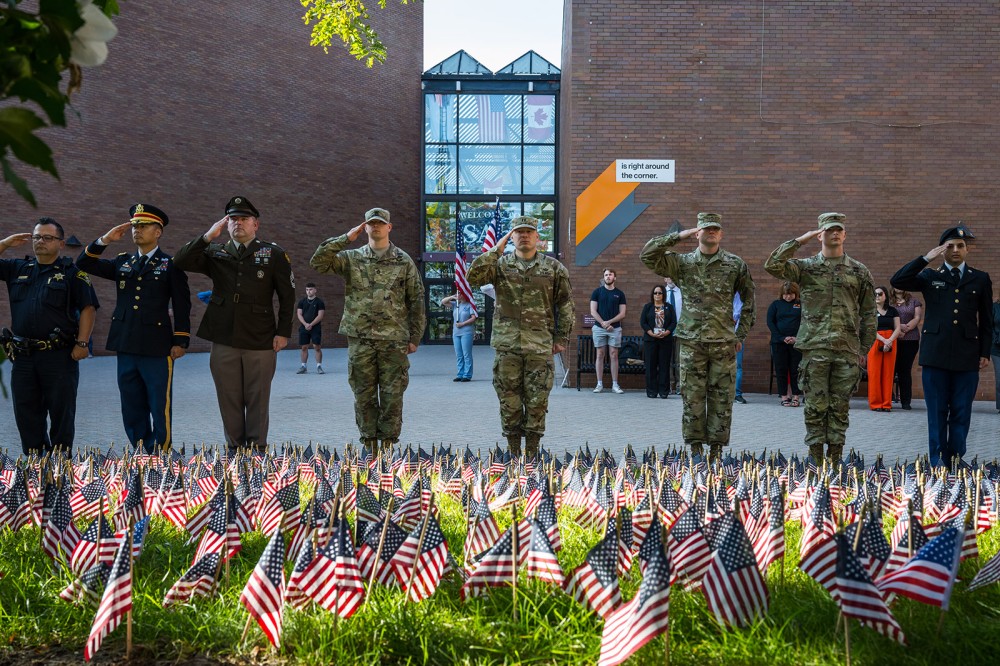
(131, 568)
(513, 536)
(420, 546)
(666, 632)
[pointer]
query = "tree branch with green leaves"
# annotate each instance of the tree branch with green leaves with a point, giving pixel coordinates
(347, 20)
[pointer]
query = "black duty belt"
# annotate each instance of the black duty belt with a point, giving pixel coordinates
(30, 344)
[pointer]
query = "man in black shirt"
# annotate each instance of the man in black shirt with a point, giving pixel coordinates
(52, 310)
(310, 312)
(607, 307)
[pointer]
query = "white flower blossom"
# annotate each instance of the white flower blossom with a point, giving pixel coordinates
(90, 42)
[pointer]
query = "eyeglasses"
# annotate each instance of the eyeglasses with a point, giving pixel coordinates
(880, 293)
(658, 292)
(45, 237)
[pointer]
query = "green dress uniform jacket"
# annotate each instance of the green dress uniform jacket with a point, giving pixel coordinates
(240, 313)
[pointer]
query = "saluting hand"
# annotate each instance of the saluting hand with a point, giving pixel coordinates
(16, 240)
(216, 229)
(687, 233)
(353, 234)
(116, 233)
(935, 253)
(808, 236)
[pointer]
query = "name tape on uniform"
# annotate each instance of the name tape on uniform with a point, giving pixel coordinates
(644, 171)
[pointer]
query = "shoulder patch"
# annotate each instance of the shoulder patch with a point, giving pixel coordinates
(83, 276)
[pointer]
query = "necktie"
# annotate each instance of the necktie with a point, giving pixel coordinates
(955, 273)
(139, 265)
(673, 302)
(240, 249)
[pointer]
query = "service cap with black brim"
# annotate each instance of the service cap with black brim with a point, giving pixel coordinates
(241, 207)
(140, 214)
(960, 231)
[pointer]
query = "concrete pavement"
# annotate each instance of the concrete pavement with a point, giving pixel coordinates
(437, 410)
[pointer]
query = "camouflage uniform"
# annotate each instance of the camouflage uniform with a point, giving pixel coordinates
(534, 311)
(705, 331)
(383, 312)
(838, 322)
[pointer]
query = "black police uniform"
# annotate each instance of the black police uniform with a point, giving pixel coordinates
(957, 332)
(142, 334)
(240, 322)
(45, 305)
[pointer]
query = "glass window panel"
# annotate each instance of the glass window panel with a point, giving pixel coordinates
(489, 118)
(440, 170)
(476, 216)
(489, 170)
(434, 270)
(439, 227)
(545, 213)
(540, 119)
(438, 317)
(540, 169)
(439, 118)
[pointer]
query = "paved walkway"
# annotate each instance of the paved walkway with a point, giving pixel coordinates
(437, 410)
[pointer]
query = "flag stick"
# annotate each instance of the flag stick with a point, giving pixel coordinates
(666, 633)
(381, 544)
(131, 568)
(420, 545)
(225, 538)
(847, 638)
(513, 536)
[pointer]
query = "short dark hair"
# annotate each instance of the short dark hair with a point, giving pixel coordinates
(310, 284)
(789, 287)
(49, 220)
(609, 270)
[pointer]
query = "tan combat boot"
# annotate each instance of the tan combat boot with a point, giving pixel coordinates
(714, 453)
(532, 442)
(816, 453)
(697, 449)
(514, 444)
(835, 452)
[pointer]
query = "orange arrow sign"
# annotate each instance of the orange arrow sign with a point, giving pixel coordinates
(597, 201)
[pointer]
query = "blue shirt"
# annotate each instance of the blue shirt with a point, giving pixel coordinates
(608, 301)
(462, 312)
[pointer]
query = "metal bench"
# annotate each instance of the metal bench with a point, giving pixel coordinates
(630, 361)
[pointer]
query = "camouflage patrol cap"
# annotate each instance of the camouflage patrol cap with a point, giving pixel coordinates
(377, 215)
(830, 220)
(709, 220)
(961, 231)
(524, 222)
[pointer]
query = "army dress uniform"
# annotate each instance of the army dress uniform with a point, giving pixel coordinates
(705, 331)
(45, 305)
(141, 331)
(384, 312)
(838, 323)
(957, 331)
(534, 311)
(240, 322)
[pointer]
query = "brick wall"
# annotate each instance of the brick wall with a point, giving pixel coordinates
(197, 103)
(883, 112)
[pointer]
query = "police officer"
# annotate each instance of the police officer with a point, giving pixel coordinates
(838, 326)
(710, 277)
(955, 339)
(141, 332)
(384, 319)
(240, 321)
(52, 307)
(531, 323)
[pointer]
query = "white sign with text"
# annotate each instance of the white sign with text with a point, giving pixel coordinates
(644, 171)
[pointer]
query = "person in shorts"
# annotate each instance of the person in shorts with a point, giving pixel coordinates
(607, 307)
(310, 311)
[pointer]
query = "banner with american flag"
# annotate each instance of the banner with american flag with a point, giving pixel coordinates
(461, 268)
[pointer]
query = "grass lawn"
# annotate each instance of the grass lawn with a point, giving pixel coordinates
(37, 627)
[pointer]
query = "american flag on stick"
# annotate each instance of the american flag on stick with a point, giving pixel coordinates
(461, 268)
(264, 594)
(116, 601)
(493, 230)
(198, 581)
(594, 584)
(929, 576)
(733, 585)
(422, 560)
(858, 597)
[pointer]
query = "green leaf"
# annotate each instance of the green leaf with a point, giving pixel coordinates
(19, 184)
(17, 125)
(51, 99)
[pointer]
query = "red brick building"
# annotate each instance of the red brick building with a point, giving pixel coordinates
(775, 112)
(198, 103)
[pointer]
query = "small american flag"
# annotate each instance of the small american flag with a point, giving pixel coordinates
(85, 554)
(873, 549)
(542, 562)
(60, 530)
(15, 510)
(903, 550)
(198, 581)
(929, 576)
(133, 508)
(116, 602)
(85, 500)
(283, 508)
(483, 532)
(87, 587)
(646, 616)
(496, 568)
(989, 574)
(492, 231)
(461, 268)
(858, 597)
(689, 549)
(394, 538)
(333, 579)
(264, 594)
(769, 547)
(431, 563)
(594, 584)
(295, 594)
(734, 588)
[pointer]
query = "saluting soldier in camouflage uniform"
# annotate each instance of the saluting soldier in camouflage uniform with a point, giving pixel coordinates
(708, 277)
(384, 319)
(532, 321)
(838, 327)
